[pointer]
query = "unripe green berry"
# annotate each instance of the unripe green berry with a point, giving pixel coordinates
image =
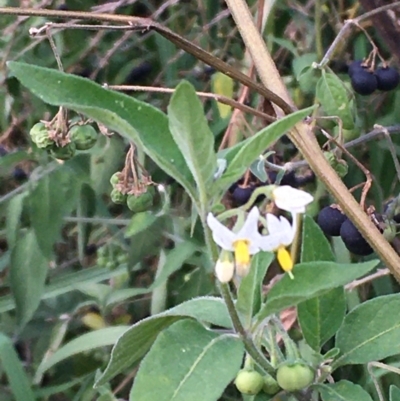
(102, 261)
(84, 136)
(270, 386)
(249, 382)
(294, 376)
(63, 153)
(40, 136)
(142, 202)
(115, 178)
(122, 258)
(118, 197)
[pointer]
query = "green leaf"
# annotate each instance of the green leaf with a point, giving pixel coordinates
(48, 206)
(14, 211)
(140, 222)
(394, 393)
(138, 339)
(319, 317)
(208, 362)
(189, 128)
(311, 280)
(370, 332)
(335, 99)
(139, 122)
(17, 379)
(85, 342)
(249, 297)
(315, 246)
(343, 390)
(241, 156)
(27, 276)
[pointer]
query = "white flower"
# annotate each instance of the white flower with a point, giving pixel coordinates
(243, 243)
(291, 199)
(280, 235)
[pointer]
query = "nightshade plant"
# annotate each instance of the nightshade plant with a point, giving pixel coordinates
(224, 322)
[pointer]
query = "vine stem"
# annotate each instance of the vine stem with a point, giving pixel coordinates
(226, 294)
(303, 138)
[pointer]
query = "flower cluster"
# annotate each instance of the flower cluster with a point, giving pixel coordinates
(248, 241)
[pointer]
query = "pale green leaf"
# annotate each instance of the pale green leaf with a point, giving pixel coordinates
(208, 362)
(343, 390)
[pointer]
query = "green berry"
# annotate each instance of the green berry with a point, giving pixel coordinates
(249, 382)
(118, 197)
(110, 265)
(270, 386)
(102, 261)
(142, 202)
(294, 376)
(122, 258)
(114, 180)
(63, 153)
(40, 136)
(84, 136)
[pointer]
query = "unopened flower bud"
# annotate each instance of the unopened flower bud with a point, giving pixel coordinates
(224, 267)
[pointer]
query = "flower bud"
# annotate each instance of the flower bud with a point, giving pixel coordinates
(224, 267)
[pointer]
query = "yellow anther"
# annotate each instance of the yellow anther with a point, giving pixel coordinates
(242, 256)
(285, 260)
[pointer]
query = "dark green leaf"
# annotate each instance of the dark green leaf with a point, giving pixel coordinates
(342, 391)
(250, 291)
(189, 128)
(335, 99)
(138, 339)
(241, 156)
(315, 245)
(311, 280)
(17, 379)
(140, 122)
(207, 363)
(27, 276)
(370, 332)
(319, 317)
(54, 196)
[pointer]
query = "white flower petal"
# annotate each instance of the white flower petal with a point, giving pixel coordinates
(250, 226)
(269, 243)
(291, 199)
(273, 223)
(221, 234)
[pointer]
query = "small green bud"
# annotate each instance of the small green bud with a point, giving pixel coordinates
(118, 197)
(249, 382)
(294, 376)
(63, 153)
(84, 136)
(40, 136)
(142, 202)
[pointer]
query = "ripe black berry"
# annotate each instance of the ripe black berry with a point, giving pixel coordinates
(354, 67)
(364, 82)
(19, 174)
(3, 151)
(353, 239)
(330, 219)
(388, 78)
(241, 195)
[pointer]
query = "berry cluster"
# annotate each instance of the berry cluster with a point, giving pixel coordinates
(334, 223)
(111, 256)
(79, 137)
(365, 81)
(138, 198)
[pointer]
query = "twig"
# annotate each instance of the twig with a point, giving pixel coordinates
(371, 277)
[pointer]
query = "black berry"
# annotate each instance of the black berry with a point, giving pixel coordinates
(3, 151)
(330, 219)
(354, 67)
(387, 78)
(364, 82)
(19, 174)
(353, 239)
(241, 195)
